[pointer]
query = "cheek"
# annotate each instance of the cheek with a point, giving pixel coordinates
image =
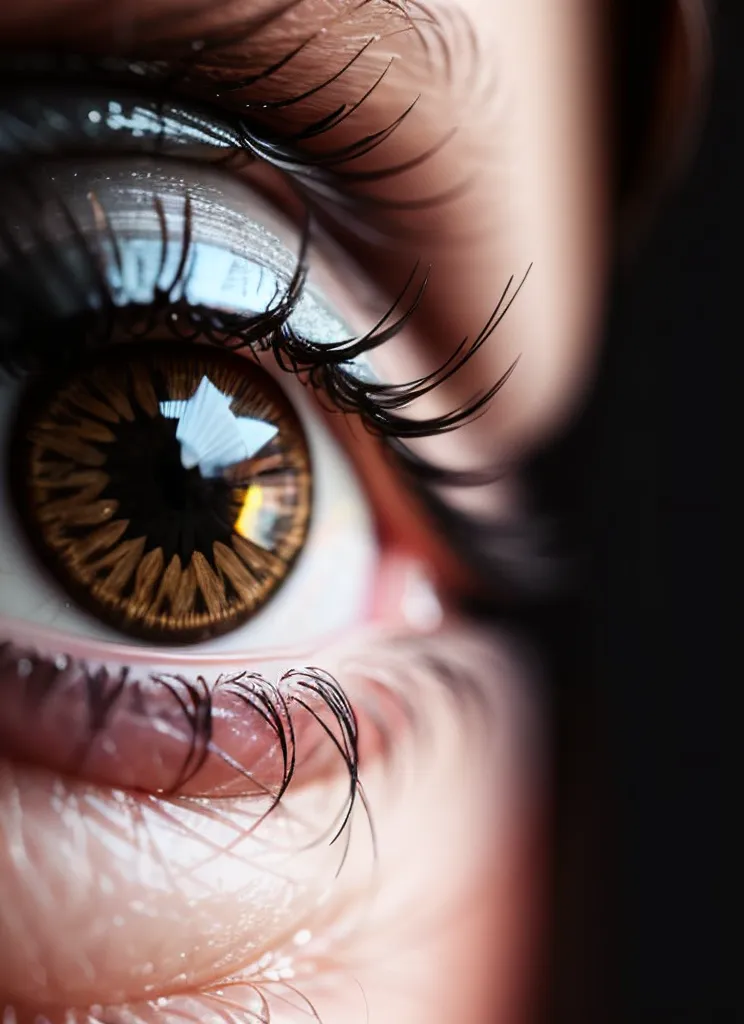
(109, 897)
(453, 930)
(427, 903)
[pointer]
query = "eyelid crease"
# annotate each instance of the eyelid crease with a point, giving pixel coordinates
(320, 174)
(68, 117)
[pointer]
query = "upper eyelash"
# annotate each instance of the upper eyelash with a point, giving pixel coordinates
(327, 178)
(324, 177)
(318, 365)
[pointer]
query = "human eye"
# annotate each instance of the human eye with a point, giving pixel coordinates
(185, 540)
(259, 457)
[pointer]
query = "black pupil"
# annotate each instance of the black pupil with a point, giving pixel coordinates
(174, 508)
(177, 488)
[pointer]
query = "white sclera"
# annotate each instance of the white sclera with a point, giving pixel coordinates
(237, 262)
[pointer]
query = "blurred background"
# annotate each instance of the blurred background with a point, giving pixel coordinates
(638, 658)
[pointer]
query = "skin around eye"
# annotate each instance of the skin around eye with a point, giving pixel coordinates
(202, 787)
(133, 881)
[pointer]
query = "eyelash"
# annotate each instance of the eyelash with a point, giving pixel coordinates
(319, 366)
(318, 175)
(199, 70)
(310, 688)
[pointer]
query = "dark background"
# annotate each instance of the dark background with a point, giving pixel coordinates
(638, 888)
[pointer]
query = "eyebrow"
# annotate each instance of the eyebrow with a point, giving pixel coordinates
(213, 30)
(315, 43)
(320, 55)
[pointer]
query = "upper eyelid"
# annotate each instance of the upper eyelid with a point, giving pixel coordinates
(323, 173)
(380, 405)
(265, 66)
(211, 42)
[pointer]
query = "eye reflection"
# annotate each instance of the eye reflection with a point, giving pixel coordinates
(168, 489)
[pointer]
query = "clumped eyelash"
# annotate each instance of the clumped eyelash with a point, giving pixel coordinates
(326, 178)
(314, 690)
(319, 366)
(447, 41)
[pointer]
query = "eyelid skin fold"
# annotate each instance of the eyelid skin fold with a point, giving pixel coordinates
(240, 734)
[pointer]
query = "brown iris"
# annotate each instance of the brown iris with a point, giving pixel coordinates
(167, 488)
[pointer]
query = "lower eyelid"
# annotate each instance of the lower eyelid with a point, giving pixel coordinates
(203, 860)
(201, 726)
(239, 734)
(191, 863)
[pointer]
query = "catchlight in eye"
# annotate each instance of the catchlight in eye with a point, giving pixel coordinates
(168, 488)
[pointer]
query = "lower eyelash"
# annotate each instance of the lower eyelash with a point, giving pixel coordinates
(207, 723)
